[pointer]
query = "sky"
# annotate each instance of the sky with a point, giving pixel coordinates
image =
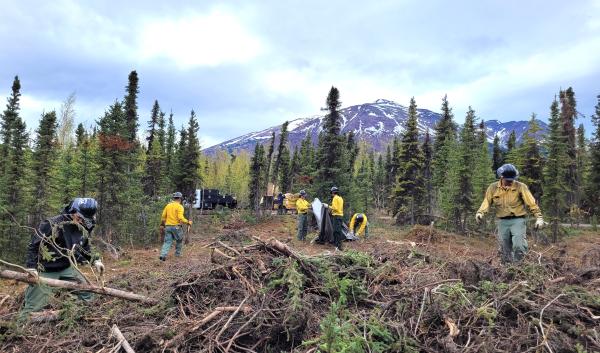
(247, 65)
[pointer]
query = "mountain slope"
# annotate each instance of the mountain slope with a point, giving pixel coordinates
(376, 123)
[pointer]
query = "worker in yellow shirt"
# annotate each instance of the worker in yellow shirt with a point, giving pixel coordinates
(302, 206)
(172, 219)
(511, 199)
(337, 212)
(359, 225)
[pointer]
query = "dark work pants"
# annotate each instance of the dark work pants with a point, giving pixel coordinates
(338, 235)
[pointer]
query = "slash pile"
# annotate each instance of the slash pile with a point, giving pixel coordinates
(265, 297)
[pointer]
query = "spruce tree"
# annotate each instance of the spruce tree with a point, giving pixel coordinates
(532, 171)
(294, 169)
(379, 183)
(257, 170)
(13, 179)
(114, 159)
(428, 173)
(445, 133)
(152, 124)
(155, 159)
(389, 178)
(131, 107)
(9, 116)
(190, 161)
(283, 156)
(593, 185)
(80, 135)
(306, 164)
(409, 191)
(284, 171)
(330, 160)
(460, 185)
(43, 160)
(269, 160)
(568, 114)
(497, 154)
(582, 166)
(554, 171)
(14, 142)
(67, 180)
(483, 174)
(511, 144)
(170, 150)
(179, 168)
(363, 186)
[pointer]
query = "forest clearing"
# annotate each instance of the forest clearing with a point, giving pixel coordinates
(247, 286)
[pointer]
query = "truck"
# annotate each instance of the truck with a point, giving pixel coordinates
(210, 199)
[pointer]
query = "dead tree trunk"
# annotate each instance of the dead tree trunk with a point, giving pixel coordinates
(23, 277)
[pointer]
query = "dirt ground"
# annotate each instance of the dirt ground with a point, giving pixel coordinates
(387, 243)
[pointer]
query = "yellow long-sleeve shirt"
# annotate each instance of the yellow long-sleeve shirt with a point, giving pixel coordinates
(172, 214)
(363, 224)
(510, 201)
(302, 206)
(337, 206)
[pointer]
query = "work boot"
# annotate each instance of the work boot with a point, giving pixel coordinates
(162, 258)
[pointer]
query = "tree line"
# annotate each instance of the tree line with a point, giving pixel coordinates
(442, 175)
(131, 177)
(439, 176)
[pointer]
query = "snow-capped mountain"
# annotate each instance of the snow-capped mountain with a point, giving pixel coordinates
(376, 123)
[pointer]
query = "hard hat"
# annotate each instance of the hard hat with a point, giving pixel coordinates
(86, 208)
(508, 172)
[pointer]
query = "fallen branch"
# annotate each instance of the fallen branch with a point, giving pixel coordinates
(279, 246)
(4, 299)
(220, 253)
(544, 338)
(218, 310)
(228, 248)
(27, 278)
(122, 341)
(45, 316)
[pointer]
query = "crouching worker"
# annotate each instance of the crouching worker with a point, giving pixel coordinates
(359, 225)
(172, 219)
(58, 244)
(302, 206)
(511, 199)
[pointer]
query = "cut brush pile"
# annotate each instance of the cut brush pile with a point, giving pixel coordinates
(265, 297)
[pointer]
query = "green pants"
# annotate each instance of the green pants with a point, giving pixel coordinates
(512, 238)
(37, 296)
(172, 233)
(302, 226)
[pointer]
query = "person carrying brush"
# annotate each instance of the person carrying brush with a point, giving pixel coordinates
(59, 244)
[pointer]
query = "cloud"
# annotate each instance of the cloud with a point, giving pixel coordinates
(209, 39)
(248, 65)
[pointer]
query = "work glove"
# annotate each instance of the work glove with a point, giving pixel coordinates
(99, 266)
(539, 224)
(479, 217)
(190, 222)
(32, 272)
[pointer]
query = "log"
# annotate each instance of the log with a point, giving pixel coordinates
(124, 344)
(27, 278)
